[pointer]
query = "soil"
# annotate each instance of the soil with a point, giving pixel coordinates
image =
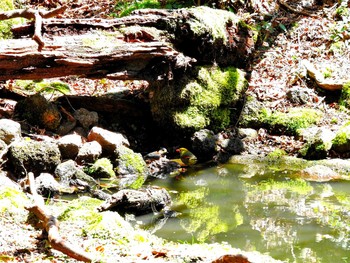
(290, 38)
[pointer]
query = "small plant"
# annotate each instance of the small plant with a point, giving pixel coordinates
(124, 8)
(327, 73)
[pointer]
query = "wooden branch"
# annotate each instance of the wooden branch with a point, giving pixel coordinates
(51, 226)
(37, 15)
(293, 10)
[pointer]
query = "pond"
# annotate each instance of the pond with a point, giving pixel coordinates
(259, 209)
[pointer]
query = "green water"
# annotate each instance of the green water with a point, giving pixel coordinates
(267, 211)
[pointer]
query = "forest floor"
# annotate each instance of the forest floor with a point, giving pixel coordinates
(290, 38)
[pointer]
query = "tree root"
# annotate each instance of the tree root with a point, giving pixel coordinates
(293, 10)
(50, 224)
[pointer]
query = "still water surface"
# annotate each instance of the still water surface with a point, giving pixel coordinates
(267, 211)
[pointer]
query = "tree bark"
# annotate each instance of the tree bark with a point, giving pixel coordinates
(151, 44)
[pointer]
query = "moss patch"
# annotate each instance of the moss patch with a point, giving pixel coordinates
(5, 25)
(204, 101)
(289, 122)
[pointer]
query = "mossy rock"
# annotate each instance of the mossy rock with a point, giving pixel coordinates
(131, 168)
(102, 168)
(254, 115)
(38, 111)
(35, 156)
(341, 142)
(205, 100)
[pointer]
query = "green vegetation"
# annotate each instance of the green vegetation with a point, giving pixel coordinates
(345, 96)
(291, 121)
(298, 186)
(5, 25)
(341, 142)
(102, 168)
(201, 102)
(124, 8)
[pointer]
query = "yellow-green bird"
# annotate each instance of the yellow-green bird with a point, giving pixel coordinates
(186, 156)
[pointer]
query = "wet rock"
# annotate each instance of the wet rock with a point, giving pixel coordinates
(102, 168)
(318, 145)
(86, 118)
(204, 144)
(69, 145)
(231, 259)
(319, 173)
(47, 185)
(33, 156)
(138, 202)
(70, 174)
(66, 126)
(131, 168)
(250, 115)
(163, 168)
(108, 140)
(228, 147)
(5, 181)
(9, 130)
(89, 152)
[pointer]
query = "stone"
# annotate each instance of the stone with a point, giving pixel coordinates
(70, 174)
(89, 152)
(107, 139)
(319, 173)
(204, 144)
(46, 185)
(28, 155)
(69, 145)
(9, 130)
(86, 118)
(318, 145)
(131, 168)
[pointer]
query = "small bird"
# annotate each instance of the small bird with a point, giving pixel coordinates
(187, 157)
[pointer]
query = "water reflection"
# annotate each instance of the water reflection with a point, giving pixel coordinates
(254, 208)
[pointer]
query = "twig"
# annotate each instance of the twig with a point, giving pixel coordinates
(292, 9)
(37, 16)
(50, 224)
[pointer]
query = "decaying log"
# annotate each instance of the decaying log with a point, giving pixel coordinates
(149, 45)
(50, 224)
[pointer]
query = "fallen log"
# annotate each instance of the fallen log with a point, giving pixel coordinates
(151, 45)
(50, 225)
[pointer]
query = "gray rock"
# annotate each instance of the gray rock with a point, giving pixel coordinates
(318, 145)
(69, 145)
(70, 174)
(247, 134)
(33, 156)
(300, 95)
(9, 130)
(89, 152)
(107, 139)
(46, 185)
(86, 118)
(204, 144)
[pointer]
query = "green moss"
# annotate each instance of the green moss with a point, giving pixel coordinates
(77, 210)
(297, 186)
(341, 140)
(210, 97)
(12, 199)
(130, 163)
(345, 96)
(276, 154)
(289, 122)
(124, 8)
(206, 19)
(102, 168)
(5, 25)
